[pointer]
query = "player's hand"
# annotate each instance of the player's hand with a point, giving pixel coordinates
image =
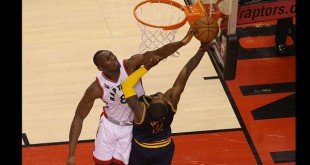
(70, 161)
(151, 63)
(188, 36)
(204, 46)
(195, 31)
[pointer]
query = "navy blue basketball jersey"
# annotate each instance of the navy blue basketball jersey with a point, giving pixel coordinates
(153, 134)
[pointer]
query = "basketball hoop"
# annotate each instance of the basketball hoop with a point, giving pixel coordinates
(159, 21)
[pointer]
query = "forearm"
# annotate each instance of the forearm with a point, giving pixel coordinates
(159, 54)
(180, 82)
(75, 131)
(130, 82)
(168, 49)
(194, 61)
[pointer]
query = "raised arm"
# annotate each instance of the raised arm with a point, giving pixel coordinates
(129, 91)
(85, 105)
(174, 93)
(135, 61)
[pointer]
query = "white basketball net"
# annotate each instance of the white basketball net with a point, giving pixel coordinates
(159, 14)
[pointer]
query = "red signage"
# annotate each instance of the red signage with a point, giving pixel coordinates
(266, 11)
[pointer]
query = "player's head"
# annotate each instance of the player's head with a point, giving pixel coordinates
(106, 60)
(158, 108)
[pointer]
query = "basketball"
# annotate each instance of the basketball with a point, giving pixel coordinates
(206, 29)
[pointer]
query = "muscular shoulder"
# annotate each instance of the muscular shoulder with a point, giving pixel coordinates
(93, 92)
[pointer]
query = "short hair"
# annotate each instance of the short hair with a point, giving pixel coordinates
(157, 111)
(95, 58)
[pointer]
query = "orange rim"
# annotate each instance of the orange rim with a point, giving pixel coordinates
(169, 2)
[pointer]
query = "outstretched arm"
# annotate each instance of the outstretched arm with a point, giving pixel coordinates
(135, 61)
(81, 112)
(129, 91)
(174, 93)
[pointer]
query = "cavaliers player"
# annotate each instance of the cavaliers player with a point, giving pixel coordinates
(152, 143)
